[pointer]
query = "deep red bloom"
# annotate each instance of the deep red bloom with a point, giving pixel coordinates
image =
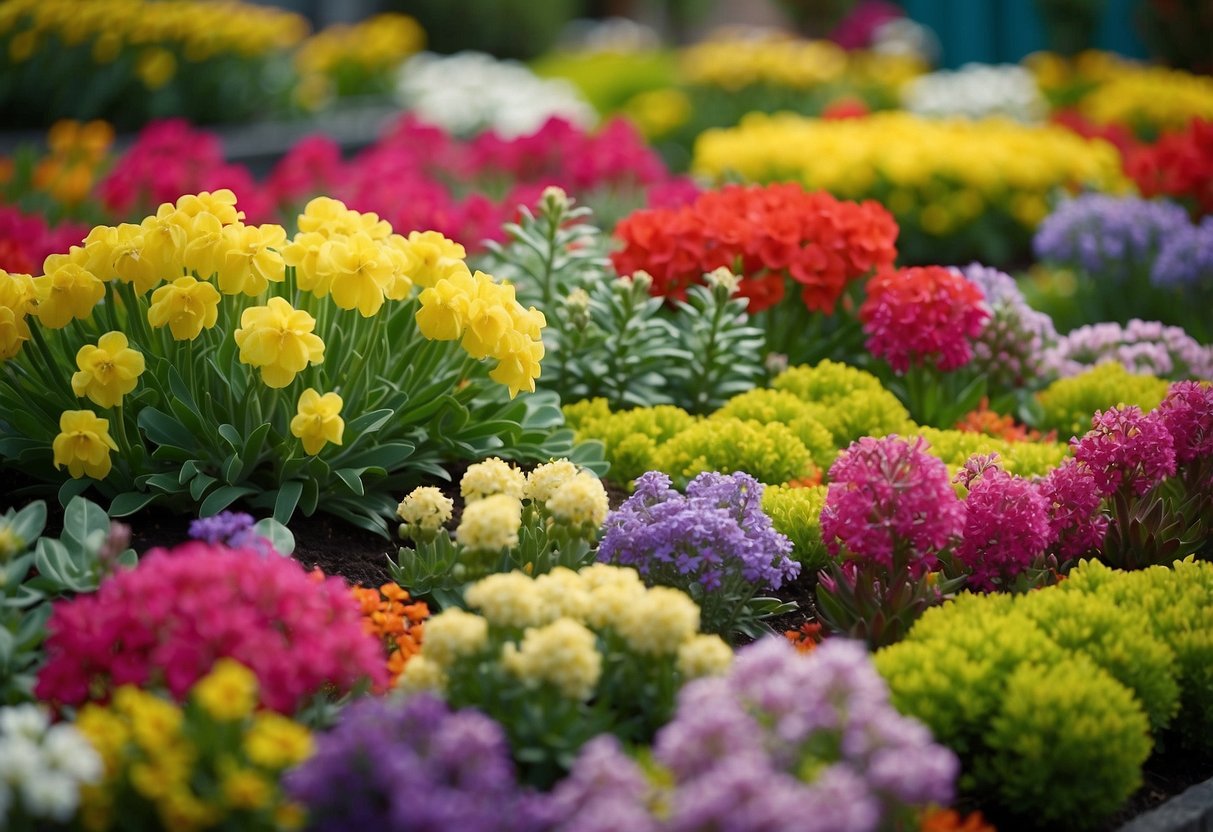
(1179, 165)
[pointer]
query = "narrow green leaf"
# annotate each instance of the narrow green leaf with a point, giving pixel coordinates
(287, 500)
(128, 502)
(221, 498)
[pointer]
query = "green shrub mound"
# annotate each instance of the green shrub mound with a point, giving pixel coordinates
(770, 453)
(796, 513)
(1069, 403)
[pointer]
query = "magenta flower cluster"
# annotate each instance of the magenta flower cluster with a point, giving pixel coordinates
(1006, 523)
(1126, 448)
(887, 499)
(413, 765)
(786, 742)
(713, 535)
(1187, 414)
(167, 621)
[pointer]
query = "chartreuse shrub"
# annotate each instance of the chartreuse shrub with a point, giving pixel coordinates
(771, 453)
(1175, 604)
(1069, 403)
(765, 406)
(194, 360)
(1025, 459)
(796, 513)
(1046, 701)
(629, 437)
(850, 402)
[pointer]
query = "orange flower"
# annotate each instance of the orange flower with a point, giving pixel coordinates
(991, 423)
(397, 624)
(949, 820)
(806, 638)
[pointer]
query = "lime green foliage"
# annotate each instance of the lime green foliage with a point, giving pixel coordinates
(849, 402)
(1026, 691)
(771, 453)
(1067, 745)
(1097, 627)
(796, 513)
(1025, 459)
(1175, 605)
(609, 79)
(826, 382)
(630, 437)
(1069, 403)
(764, 405)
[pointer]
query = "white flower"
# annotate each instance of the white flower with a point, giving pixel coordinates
(20, 759)
(50, 795)
(29, 721)
(470, 91)
(977, 91)
(68, 751)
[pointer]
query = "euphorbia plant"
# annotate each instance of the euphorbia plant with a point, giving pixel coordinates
(197, 360)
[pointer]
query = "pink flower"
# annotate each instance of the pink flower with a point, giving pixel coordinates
(166, 622)
(1126, 448)
(1187, 414)
(922, 315)
(889, 498)
(1072, 499)
(1006, 523)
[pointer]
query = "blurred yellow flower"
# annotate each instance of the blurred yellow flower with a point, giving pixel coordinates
(279, 340)
(155, 67)
(228, 693)
(317, 421)
(108, 371)
(187, 306)
(276, 742)
(83, 444)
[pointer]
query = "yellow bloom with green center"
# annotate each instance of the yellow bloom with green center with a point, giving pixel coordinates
(83, 444)
(279, 340)
(357, 271)
(186, 306)
(69, 292)
(317, 421)
(249, 258)
(228, 693)
(108, 371)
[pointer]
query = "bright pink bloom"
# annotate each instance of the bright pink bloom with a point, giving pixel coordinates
(888, 497)
(1187, 414)
(166, 622)
(26, 240)
(1126, 448)
(1006, 523)
(923, 315)
(1073, 498)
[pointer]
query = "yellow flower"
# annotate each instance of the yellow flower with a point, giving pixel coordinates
(278, 338)
(317, 422)
(454, 633)
(542, 482)
(357, 271)
(426, 507)
(444, 306)
(660, 622)
(164, 241)
(704, 655)
(490, 524)
(276, 742)
(108, 371)
(518, 360)
(507, 599)
(421, 674)
(228, 692)
(66, 293)
(246, 789)
(83, 444)
(155, 67)
(487, 319)
(580, 502)
(563, 654)
(248, 258)
(492, 476)
(17, 297)
(432, 257)
(187, 306)
(220, 203)
(118, 252)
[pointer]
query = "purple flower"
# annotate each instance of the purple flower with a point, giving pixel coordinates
(414, 765)
(1010, 348)
(1125, 448)
(887, 496)
(1108, 237)
(716, 535)
(1143, 347)
(231, 528)
(1006, 524)
(1186, 258)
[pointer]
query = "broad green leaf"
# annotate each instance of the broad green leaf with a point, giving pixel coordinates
(82, 518)
(352, 477)
(164, 429)
(221, 498)
(288, 498)
(28, 523)
(368, 422)
(129, 502)
(279, 536)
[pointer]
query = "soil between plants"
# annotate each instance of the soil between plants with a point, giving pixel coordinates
(361, 557)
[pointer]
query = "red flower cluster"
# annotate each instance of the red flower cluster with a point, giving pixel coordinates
(26, 240)
(763, 233)
(167, 621)
(1116, 134)
(1179, 165)
(923, 315)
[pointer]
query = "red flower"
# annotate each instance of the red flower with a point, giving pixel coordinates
(1179, 165)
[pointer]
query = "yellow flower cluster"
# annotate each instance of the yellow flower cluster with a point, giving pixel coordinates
(935, 174)
(580, 502)
(377, 44)
(1153, 98)
(492, 476)
(146, 745)
(426, 507)
(490, 524)
(164, 33)
(562, 617)
(545, 479)
(734, 63)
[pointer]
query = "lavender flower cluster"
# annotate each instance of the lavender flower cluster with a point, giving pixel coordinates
(1010, 349)
(1106, 236)
(1143, 347)
(784, 742)
(712, 535)
(1186, 258)
(413, 765)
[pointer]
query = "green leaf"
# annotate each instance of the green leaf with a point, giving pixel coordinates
(231, 469)
(128, 502)
(232, 436)
(200, 484)
(310, 497)
(250, 454)
(352, 477)
(28, 523)
(279, 536)
(82, 518)
(368, 422)
(168, 483)
(71, 489)
(388, 455)
(288, 498)
(165, 430)
(221, 498)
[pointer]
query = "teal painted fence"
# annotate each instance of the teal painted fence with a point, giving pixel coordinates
(1002, 31)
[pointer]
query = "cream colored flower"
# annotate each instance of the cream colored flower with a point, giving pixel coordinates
(563, 654)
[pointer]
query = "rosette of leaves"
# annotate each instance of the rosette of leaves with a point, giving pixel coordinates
(607, 337)
(36, 569)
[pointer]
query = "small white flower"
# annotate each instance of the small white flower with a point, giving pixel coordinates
(20, 759)
(51, 795)
(29, 721)
(68, 751)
